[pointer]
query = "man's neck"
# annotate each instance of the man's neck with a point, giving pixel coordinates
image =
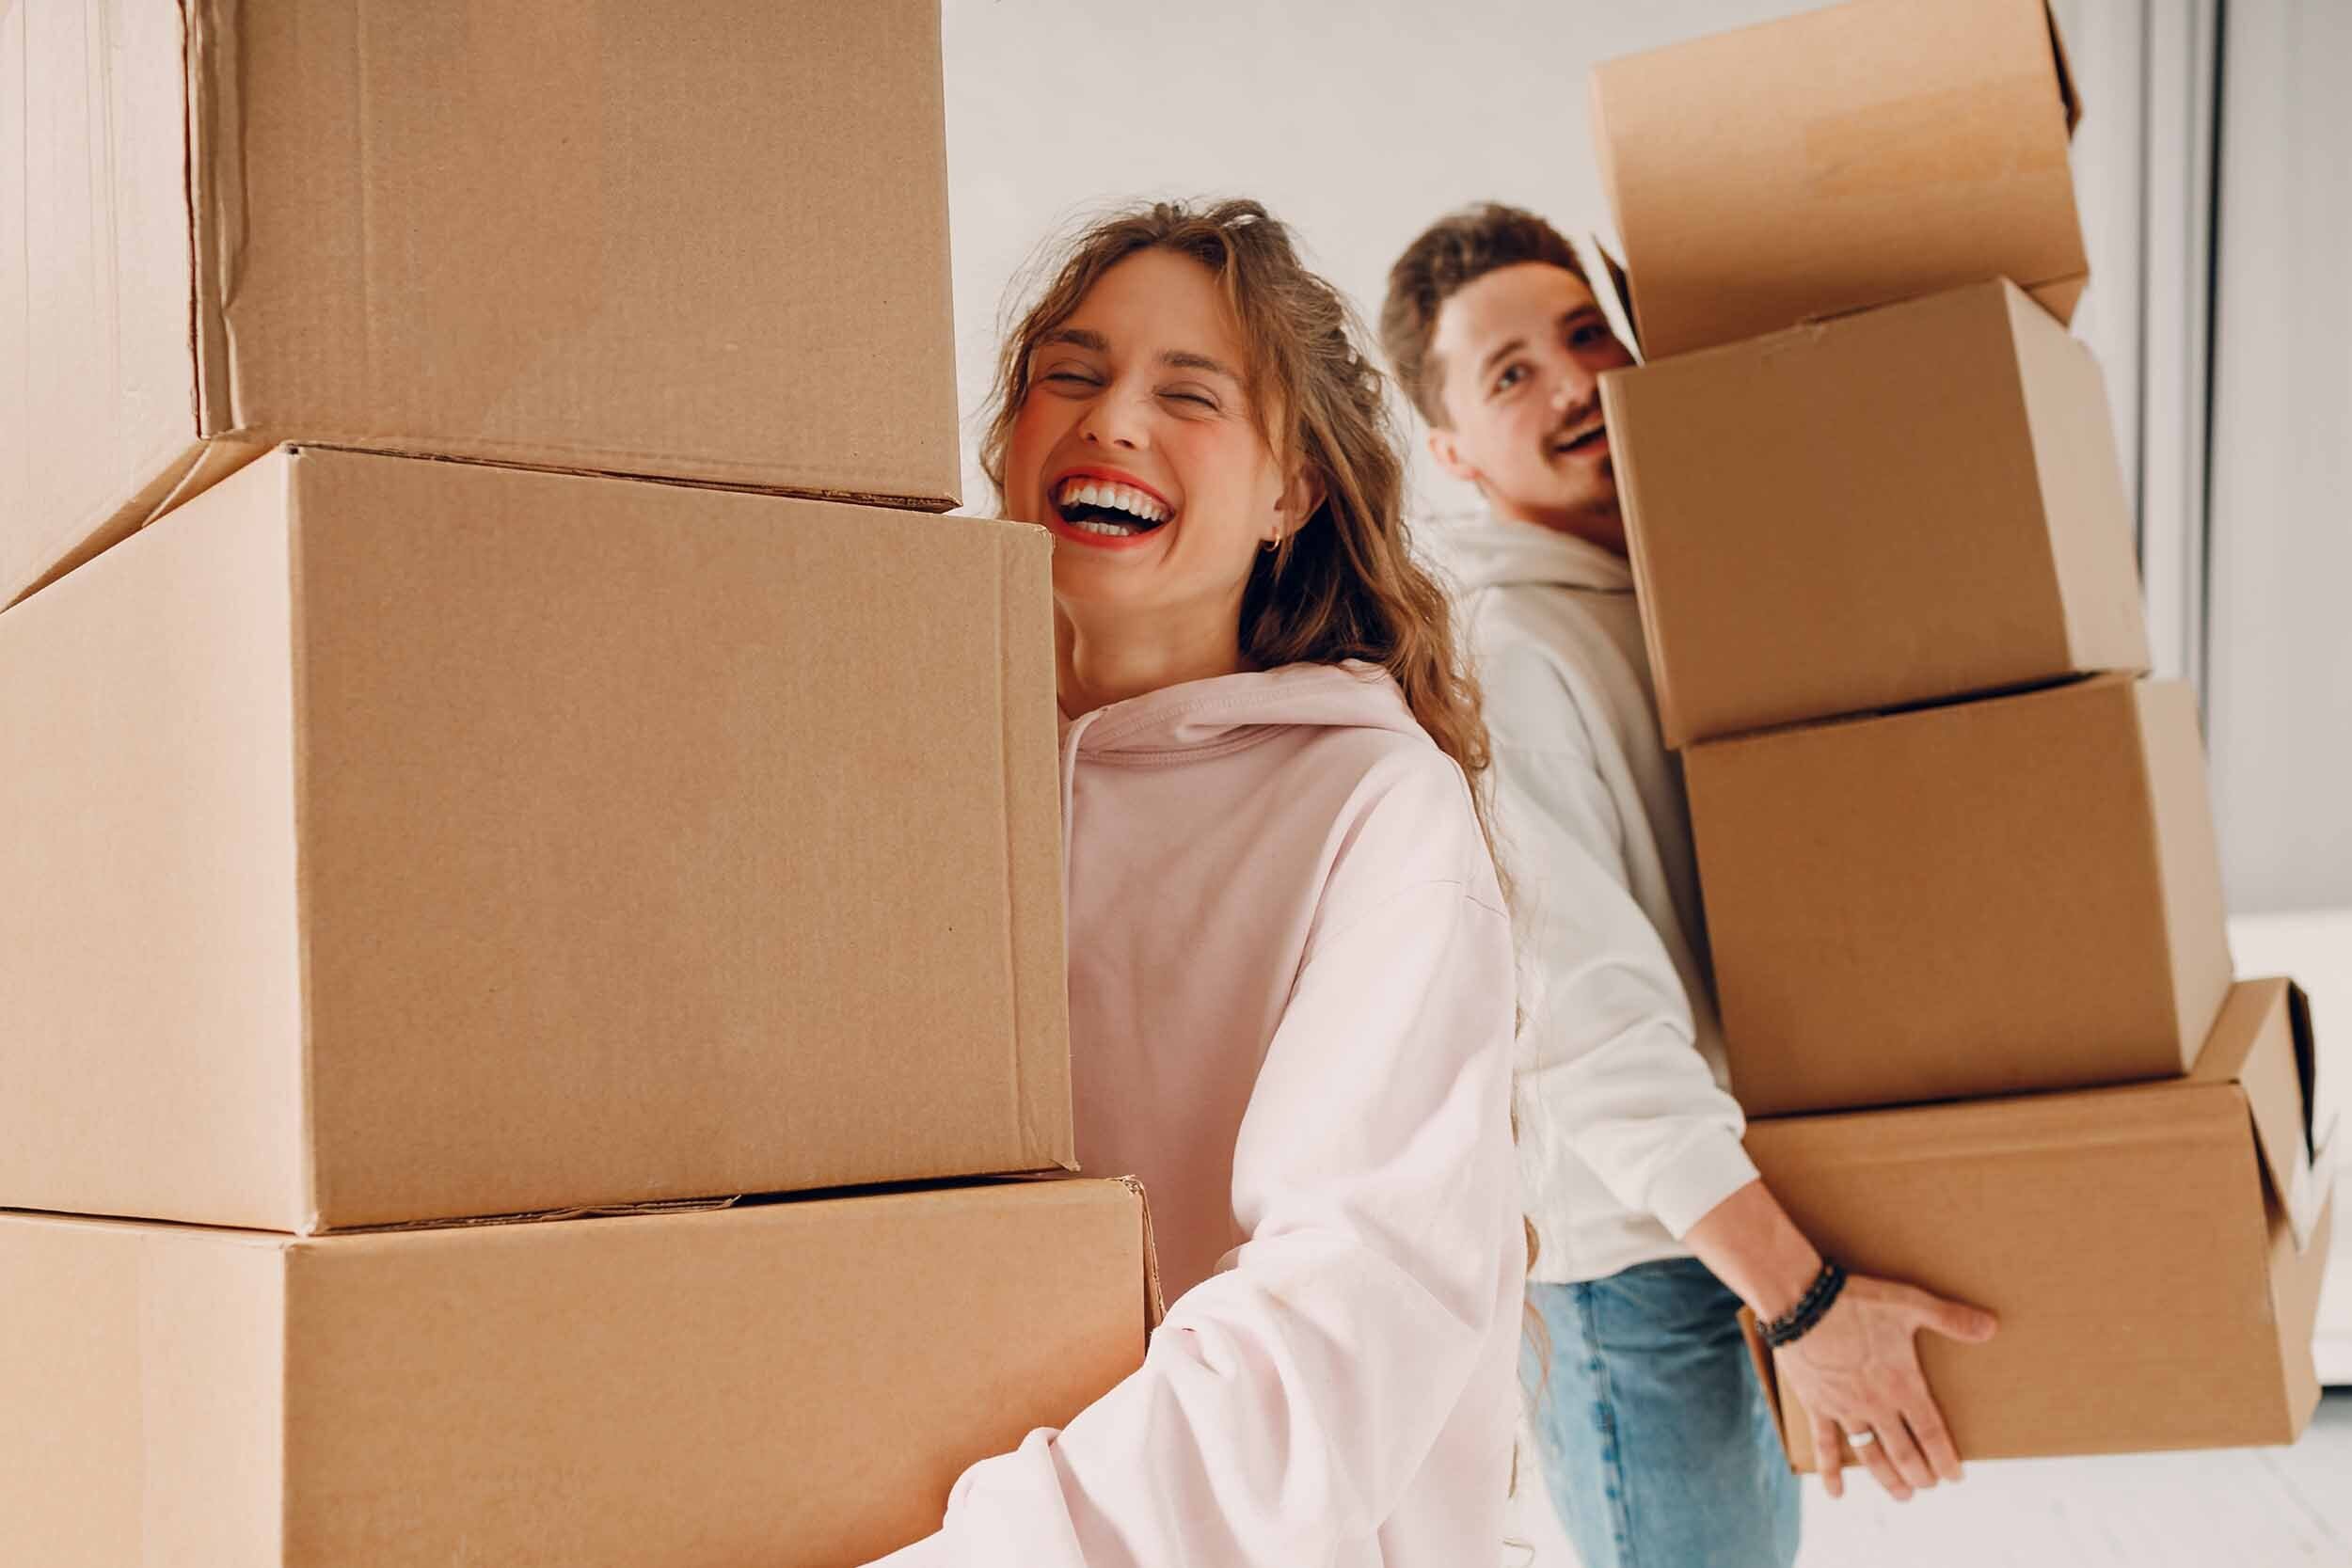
(1108, 661)
(1602, 529)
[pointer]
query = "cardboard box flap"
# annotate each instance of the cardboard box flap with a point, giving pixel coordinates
(1612, 289)
(95, 394)
(2263, 1043)
(2281, 1092)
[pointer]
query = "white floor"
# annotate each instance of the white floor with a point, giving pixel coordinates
(2241, 1508)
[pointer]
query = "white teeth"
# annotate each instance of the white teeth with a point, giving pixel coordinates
(1120, 498)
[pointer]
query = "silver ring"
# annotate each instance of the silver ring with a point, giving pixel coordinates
(1862, 1439)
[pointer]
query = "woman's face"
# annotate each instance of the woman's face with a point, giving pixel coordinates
(1137, 449)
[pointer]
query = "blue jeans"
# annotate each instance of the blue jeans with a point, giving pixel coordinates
(1655, 1438)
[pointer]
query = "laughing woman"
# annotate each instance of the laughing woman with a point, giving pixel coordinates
(1290, 967)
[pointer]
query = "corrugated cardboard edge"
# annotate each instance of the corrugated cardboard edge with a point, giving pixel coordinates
(2036, 691)
(1604, 149)
(1672, 726)
(1154, 1302)
(2088, 536)
(2056, 296)
(313, 1197)
(2178, 795)
(2298, 1277)
(650, 1209)
(706, 474)
(1042, 1088)
(1768, 1376)
(217, 222)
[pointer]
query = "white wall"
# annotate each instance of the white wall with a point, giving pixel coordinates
(1359, 120)
(2279, 663)
(1356, 123)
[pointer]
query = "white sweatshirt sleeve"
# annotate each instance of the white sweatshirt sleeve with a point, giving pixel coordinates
(1288, 1400)
(1608, 1074)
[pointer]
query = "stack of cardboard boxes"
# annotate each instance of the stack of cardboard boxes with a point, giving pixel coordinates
(1956, 847)
(408, 822)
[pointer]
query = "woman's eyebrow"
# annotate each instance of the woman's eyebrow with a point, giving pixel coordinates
(1183, 360)
(1077, 337)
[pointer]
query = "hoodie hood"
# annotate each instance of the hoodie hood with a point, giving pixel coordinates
(1206, 716)
(1483, 551)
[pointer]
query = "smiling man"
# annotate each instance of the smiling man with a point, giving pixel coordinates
(1652, 1226)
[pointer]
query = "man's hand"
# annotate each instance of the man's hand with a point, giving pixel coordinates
(1858, 1368)
(1857, 1372)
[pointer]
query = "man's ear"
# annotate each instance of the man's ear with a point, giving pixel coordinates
(1448, 455)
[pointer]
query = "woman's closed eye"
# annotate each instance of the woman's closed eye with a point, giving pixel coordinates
(1192, 396)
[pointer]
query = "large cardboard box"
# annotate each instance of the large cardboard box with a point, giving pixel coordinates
(1840, 159)
(1912, 504)
(389, 840)
(794, 1383)
(705, 240)
(1986, 898)
(2154, 1253)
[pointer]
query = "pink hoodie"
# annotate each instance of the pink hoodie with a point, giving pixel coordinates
(1291, 1003)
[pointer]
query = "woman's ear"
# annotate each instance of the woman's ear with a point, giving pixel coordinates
(1300, 498)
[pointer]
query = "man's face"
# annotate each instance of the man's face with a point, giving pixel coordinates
(1520, 353)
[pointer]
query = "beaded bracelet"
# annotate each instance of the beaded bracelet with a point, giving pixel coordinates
(1810, 1309)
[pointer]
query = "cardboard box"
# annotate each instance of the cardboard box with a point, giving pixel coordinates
(410, 840)
(705, 240)
(1913, 503)
(2154, 1253)
(1988, 898)
(794, 1383)
(1840, 159)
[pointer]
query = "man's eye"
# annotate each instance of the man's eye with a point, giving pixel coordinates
(1512, 375)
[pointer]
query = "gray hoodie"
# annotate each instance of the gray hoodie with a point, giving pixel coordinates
(1627, 1134)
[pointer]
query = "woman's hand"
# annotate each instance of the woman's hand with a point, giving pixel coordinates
(1857, 1373)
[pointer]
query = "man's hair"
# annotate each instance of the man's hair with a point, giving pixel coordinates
(1452, 254)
